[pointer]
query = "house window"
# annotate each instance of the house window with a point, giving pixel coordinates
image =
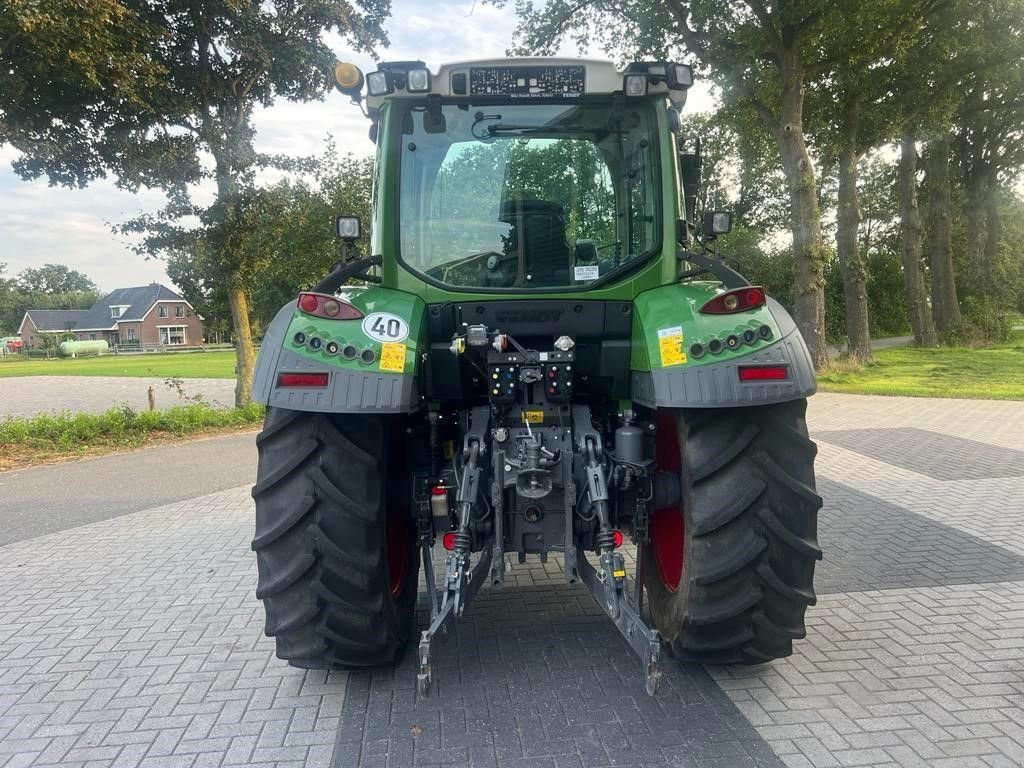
(162, 311)
(131, 334)
(172, 335)
(92, 337)
(179, 311)
(116, 312)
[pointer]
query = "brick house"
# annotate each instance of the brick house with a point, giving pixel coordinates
(148, 316)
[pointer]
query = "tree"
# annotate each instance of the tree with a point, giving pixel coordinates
(853, 109)
(63, 63)
(54, 278)
(290, 237)
(214, 62)
(910, 234)
(763, 55)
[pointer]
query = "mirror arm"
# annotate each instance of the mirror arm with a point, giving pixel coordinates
(730, 277)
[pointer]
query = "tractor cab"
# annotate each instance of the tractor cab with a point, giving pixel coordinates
(525, 175)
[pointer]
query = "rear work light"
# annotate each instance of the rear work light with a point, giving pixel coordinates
(327, 307)
(302, 379)
(763, 372)
(736, 300)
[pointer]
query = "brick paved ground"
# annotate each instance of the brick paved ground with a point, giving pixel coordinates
(27, 395)
(136, 641)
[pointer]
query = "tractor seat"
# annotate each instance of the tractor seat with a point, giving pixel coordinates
(538, 231)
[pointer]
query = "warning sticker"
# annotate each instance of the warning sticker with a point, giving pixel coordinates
(533, 417)
(392, 357)
(670, 346)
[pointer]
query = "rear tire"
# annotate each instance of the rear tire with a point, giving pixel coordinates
(335, 548)
(730, 573)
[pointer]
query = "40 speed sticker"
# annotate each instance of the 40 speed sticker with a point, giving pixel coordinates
(384, 327)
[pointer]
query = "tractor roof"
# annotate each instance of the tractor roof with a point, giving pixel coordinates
(514, 79)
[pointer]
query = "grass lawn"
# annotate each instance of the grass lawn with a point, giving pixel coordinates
(47, 437)
(996, 373)
(187, 365)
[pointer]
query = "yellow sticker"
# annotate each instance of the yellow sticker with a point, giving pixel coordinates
(670, 345)
(533, 417)
(392, 357)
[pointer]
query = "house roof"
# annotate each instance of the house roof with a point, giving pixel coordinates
(56, 319)
(137, 300)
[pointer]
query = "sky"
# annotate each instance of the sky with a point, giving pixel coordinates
(41, 224)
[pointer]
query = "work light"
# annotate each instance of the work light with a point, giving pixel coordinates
(348, 227)
(679, 76)
(379, 83)
(417, 80)
(635, 85)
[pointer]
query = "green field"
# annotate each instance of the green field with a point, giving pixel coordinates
(186, 365)
(995, 373)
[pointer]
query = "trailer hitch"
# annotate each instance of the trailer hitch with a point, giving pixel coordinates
(460, 582)
(460, 587)
(607, 584)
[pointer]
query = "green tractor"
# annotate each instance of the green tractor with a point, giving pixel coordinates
(540, 355)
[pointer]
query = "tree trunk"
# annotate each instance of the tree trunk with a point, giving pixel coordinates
(945, 306)
(851, 264)
(993, 233)
(245, 352)
(245, 355)
(976, 218)
(808, 249)
(910, 237)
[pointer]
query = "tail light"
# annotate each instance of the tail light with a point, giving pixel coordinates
(302, 379)
(736, 300)
(327, 307)
(763, 372)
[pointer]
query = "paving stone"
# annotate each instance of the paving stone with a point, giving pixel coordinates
(161, 658)
(137, 641)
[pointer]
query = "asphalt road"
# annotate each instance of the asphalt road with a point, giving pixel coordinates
(54, 498)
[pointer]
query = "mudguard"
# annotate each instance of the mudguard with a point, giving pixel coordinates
(372, 364)
(681, 358)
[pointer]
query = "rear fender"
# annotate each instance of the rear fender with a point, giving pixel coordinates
(372, 364)
(668, 371)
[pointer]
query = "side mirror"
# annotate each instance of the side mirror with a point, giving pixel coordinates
(347, 228)
(690, 163)
(716, 223)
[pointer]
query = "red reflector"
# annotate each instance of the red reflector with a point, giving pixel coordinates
(616, 539)
(736, 300)
(327, 307)
(302, 379)
(448, 541)
(763, 372)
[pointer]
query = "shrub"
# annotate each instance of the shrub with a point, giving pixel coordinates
(983, 322)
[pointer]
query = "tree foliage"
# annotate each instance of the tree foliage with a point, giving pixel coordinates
(54, 278)
(52, 286)
(288, 232)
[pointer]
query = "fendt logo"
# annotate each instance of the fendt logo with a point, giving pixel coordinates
(506, 316)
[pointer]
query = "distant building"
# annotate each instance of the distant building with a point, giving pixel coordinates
(147, 316)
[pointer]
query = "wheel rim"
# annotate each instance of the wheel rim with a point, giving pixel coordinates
(668, 532)
(397, 544)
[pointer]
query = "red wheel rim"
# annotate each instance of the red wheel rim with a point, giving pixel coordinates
(397, 544)
(668, 532)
